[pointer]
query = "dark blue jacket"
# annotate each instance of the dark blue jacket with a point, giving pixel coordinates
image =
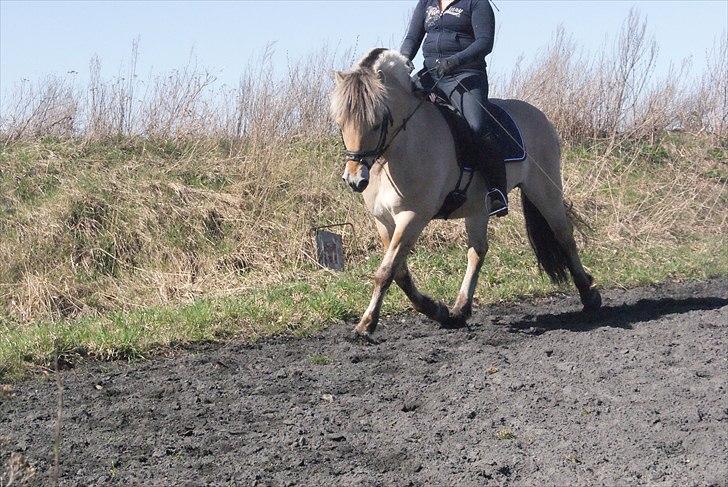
(464, 31)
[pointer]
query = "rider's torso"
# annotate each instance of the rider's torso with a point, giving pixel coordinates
(448, 31)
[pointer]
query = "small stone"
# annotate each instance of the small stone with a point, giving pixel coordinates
(327, 397)
(410, 406)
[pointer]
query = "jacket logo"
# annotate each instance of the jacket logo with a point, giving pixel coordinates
(456, 11)
(432, 15)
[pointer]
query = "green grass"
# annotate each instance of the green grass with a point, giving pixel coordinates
(317, 359)
(303, 307)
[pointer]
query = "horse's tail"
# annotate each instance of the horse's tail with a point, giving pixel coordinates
(549, 253)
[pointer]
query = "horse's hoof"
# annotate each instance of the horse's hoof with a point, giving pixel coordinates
(455, 322)
(460, 315)
(362, 338)
(592, 302)
(442, 313)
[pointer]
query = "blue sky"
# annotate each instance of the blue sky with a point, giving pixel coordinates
(41, 38)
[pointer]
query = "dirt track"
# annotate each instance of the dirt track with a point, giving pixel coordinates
(532, 394)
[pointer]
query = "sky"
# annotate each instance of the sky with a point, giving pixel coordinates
(38, 38)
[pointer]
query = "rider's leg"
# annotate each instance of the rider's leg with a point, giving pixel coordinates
(470, 96)
(495, 174)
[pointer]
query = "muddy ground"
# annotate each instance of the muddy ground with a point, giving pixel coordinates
(528, 394)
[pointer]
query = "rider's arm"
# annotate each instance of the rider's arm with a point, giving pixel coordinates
(483, 22)
(415, 33)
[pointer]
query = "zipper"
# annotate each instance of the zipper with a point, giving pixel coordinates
(445, 10)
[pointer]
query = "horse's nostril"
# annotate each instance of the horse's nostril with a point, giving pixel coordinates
(362, 185)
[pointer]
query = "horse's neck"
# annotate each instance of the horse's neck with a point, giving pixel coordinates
(412, 150)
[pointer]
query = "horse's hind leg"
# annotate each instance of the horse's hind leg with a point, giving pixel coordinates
(550, 204)
(477, 229)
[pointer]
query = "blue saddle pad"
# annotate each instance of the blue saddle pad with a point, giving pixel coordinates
(507, 133)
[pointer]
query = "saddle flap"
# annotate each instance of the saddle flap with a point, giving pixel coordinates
(504, 127)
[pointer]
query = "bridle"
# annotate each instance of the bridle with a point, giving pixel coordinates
(369, 157)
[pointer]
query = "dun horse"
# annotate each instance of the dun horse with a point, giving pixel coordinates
(402, 158)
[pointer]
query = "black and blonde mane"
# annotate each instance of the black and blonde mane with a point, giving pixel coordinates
(359, 94)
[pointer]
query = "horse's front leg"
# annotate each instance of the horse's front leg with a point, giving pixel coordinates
(477, 229)
(407, 228)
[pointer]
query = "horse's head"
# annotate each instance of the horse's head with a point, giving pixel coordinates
(361, 106)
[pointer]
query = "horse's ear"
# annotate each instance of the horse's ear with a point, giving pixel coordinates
(338, 76)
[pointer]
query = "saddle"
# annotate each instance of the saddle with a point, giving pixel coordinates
(505, 129)
(468, 152)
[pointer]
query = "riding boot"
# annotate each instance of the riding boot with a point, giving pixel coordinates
(494, 170)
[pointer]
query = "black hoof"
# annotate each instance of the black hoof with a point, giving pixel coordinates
(359, 338)
(442, 314)
(592, 302)
(455, 322)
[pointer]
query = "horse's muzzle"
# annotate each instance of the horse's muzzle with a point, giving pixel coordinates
(358, 186)
(359, 181)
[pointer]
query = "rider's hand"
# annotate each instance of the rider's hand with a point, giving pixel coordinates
(445, 66)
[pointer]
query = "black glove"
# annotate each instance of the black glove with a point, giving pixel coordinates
(445, 66)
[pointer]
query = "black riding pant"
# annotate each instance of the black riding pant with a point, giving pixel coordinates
(467, 90)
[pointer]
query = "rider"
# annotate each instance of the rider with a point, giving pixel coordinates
(459, 35)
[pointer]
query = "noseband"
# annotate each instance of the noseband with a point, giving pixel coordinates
(369, 157)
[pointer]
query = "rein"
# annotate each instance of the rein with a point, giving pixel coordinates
(370, 157)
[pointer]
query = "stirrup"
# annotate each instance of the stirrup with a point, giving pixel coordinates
(496, 196)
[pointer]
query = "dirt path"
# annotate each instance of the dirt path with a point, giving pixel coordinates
(532, 394)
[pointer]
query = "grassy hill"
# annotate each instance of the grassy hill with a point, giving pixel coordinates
(112, 249)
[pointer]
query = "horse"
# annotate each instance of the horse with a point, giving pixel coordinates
(401, 157)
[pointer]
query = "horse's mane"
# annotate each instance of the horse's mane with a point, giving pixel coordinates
(359, 94)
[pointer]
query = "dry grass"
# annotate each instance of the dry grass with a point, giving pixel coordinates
(89, 228)
(615, 94)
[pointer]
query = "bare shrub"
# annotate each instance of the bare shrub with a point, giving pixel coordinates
(707, 107)
(36, 109)
(612, 94)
